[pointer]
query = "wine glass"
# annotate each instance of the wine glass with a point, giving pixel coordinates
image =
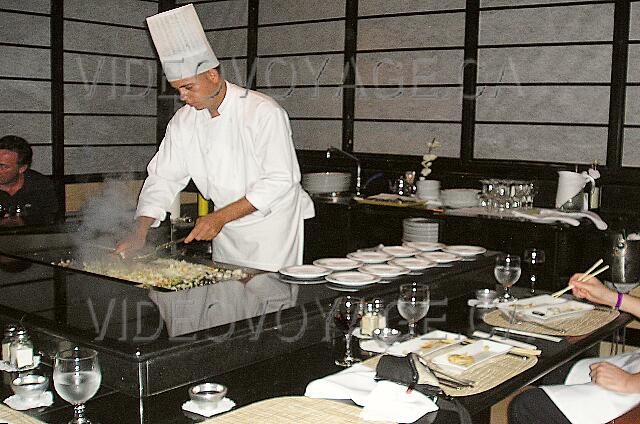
(77, 378)
(534, 258)
(507, 271)
(413, 304)
(347, 312)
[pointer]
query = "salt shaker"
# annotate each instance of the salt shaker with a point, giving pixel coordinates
(373, 317)
(9, 333)
(21, 349)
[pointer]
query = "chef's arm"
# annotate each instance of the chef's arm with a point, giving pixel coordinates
(135, 241)
(207, 227)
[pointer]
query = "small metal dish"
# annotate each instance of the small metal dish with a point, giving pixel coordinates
(30, 386)
(388, 336)
(486, 296)
(207, 395)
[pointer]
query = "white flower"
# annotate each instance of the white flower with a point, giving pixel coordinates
(429, 157)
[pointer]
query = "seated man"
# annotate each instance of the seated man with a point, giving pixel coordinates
(596, 390)
(26, 196)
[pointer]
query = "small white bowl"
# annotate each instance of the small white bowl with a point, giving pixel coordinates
(207, 395)
(30, 386)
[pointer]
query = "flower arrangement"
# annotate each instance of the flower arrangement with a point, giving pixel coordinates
(429, 158)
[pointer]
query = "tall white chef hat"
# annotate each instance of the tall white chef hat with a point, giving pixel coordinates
(181, 43)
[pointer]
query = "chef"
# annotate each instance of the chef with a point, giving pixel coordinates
(235, 144)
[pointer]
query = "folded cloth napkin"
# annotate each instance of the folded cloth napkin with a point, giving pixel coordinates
(355, 383)
(224, 405)
(594, 217)
(390, 402)
(7, 366)
(21, 404)
(546, 218)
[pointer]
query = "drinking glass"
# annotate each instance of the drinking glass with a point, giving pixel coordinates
(77, 378)
(413, 304)
(507, 271)
(534, 259)
(347, 312)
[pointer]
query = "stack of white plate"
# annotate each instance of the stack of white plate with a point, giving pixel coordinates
(326, 182)
(420, 230)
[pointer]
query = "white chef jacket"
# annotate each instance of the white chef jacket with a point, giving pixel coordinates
(246, 151)
(584, 402)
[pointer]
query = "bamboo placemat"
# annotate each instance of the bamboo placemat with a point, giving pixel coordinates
(576, 326)
(293, 410)
(16, 417)
(487, 375)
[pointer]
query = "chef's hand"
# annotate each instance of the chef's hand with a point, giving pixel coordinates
(615, 379)
(207, 227)
(592, 290)
(129, 245)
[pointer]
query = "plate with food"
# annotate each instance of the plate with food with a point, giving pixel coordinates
(352, 278)
(384, 270)
(427, 343)
(424, 246)
(550, 312)
(462, 250)
(370, 257)
(528, 303)
(413, 264)
(337, 264)
(440, 257)
(305, 271)
(468, 356)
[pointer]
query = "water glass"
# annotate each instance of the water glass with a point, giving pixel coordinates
(77, 378)
(413, 304)
(507, 271)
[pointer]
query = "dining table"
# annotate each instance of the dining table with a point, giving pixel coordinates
(271, 337)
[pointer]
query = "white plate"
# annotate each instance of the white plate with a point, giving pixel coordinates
(368, 257)
(424, 246)
(413, 264)
(384, 270)
(305, 271)
(352, 278)
(400, 251)
(461, 250)
(548, 312)
(337, 264)
(440, 257)
(311, 281)
(522, 305)
(427, 343)
(480, 351)
(340, 288)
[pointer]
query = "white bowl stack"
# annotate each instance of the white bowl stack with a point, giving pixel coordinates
(419, 229)
(460, 197)
(326, 182)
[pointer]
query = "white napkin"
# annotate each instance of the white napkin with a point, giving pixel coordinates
(515, 343)
(531, 334)
(594, 217)
(570, 184)
(547, 218)
(224, 405)
(391, 402)
(21, 404)
(355, 383)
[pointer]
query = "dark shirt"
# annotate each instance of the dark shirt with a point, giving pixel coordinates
(36, 202)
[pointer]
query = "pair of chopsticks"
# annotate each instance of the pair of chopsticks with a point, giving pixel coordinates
(588, 274)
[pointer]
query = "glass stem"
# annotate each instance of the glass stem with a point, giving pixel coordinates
(412, 328)
(348, 345)
(78, 414)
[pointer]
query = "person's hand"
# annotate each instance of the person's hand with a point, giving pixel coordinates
(130, 245)
(592, 290)
(615, 379)
(207, 227)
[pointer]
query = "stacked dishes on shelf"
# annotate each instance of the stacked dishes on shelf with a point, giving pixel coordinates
(419, 230)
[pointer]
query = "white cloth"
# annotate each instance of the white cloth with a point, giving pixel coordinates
(584, 402)
(224, 405)
(246, 151)
(181, 43)
(381, 401)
